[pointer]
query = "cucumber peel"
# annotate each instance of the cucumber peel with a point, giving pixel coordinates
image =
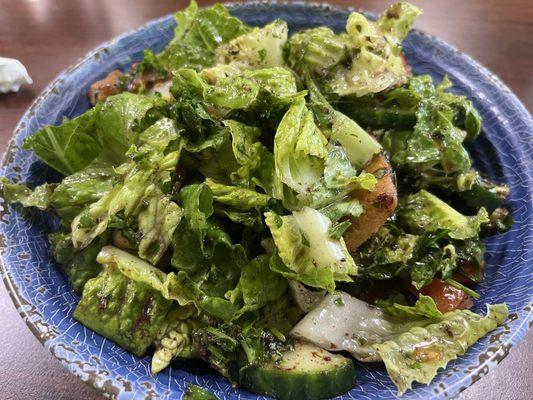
(306, 372)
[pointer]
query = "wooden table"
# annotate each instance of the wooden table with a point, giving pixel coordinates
(49, 35)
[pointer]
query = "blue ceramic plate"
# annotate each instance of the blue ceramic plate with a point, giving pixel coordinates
(45, 300)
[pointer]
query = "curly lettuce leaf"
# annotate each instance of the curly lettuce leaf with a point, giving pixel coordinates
(256, 163)
(157, 223)
(198, 33)
(424, 211)
(359, 145)
(136, 182)
(318, 49)
(347, 207)
(174, 338)
(127, 312)
(424, 307)
(197, 203)
(366, 59)
(259, 48)
(80, 266)
(207, 294)
(18, 193)
(67, 198)
(185, 291)
(258, 285)
(115, 122)
(223, 89)
(339, 173)
(299, 149)
(307, 251)
(239, 198)
(432, 148)
(393, 252)
(314, 172)
(418, 354)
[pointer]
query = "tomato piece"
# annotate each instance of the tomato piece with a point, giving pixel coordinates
(446, 297)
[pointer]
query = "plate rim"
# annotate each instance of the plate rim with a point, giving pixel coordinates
(20, 302)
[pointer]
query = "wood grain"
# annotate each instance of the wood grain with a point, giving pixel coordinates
(49, 35)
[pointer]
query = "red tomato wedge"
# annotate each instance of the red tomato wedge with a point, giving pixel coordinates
(446, 297)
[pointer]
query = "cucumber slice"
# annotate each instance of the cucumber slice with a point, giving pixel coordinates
(305, 373)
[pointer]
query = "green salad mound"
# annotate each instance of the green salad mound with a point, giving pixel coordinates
(262, 202)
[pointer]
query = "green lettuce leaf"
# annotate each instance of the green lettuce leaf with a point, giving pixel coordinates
(115, 122)
(418, 354)
(418, 151)
(67, 198)
(358, 144)
(18, 193)
(424, 211)
(157, 223)
(136, 181)
(424, 307)
(197, 202)
(80, 266)
(307, 251)
(392, 252)
(414, 343)
(68, 147)
(348, 207)
(207, 294)
(198, 33)
(339, 172)
(80, 189)
(197, 393)
(259, 48)
(317, 49)
(223, 89)
(299, 149)
(186, 291)
(174, 338)
(256, 163)
(127, 312)
(259, 285)
(239, 198)
(365, 59)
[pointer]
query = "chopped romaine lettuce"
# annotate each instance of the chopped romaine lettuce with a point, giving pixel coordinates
(115, 122)
(307, 250)
(239, 198)
(299, 149)
(127, 312)
(259, 48)
(17, 193)
(365, 59)
(67, 198)
(198, 33)
(69, 147)
(204, 206)
(418, 354)
(424, 211)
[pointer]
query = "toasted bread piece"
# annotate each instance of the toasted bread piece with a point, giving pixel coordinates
(378, 204)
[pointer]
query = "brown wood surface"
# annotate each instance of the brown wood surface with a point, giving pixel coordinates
(49, 35)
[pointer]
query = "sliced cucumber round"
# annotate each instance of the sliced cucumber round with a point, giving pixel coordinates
(307, 372)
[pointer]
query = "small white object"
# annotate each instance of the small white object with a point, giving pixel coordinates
(12, 75)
